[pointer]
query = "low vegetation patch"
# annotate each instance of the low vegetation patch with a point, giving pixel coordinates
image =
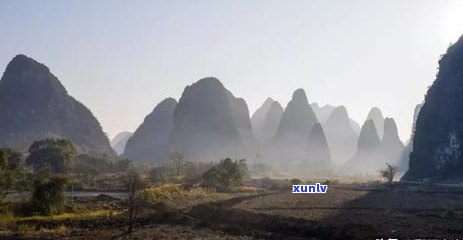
(170, 193)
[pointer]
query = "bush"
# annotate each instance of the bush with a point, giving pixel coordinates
(226, 174)
(388, 174)
(47, 198)
(295, 181)
(167, 192)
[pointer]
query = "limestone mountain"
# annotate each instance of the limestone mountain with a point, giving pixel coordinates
(378, 119)
(119, 141)
(149, 143)
(258, 118)
(366, 158)
(205, 126)
(297, 120)
(391, 145)
(368, 140)
(437, 151)
(272, 122)
(319, 153)
(264, 131)
(342, 138)
(240, 114)
(291, 139)
(322, 113)
(35, 105)
(355, 126)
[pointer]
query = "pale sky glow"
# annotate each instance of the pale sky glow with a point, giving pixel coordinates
(120, 58)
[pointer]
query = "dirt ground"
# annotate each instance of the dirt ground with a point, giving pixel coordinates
(354, 211)
(405, 212)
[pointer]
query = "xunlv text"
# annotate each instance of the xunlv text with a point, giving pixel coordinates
(316, 188)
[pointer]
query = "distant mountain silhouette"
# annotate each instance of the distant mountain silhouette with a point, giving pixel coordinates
(322, 113)
(209, 123)
(355, 126)
(266, 120)
(34, 105)
(258, 118)
(242, 122)
(391, 146)
(378, 119)
(272, 121)
(437, 151)
(149, 143)
(298, 118)
(342, 139)
(291, 139)
(119, 141)
(319, 153)
(366, 158)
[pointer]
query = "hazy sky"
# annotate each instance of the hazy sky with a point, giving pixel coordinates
(120, 58)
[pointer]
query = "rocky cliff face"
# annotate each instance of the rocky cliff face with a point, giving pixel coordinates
(437, 151)
(150, 142)
(404, 158)
(34, 105)
(341, 137)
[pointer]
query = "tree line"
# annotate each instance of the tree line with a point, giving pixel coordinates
(51, 166)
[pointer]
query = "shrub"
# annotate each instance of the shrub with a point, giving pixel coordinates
(161, 193)
(25, 229)
(47, 198)
(12, 173)
(388, 174)
(168, 192)
(295, 181)
(226, 174)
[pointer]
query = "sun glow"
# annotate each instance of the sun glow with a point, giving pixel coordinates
(452, 21)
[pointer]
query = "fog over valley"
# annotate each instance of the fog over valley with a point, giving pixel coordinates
(231, 119)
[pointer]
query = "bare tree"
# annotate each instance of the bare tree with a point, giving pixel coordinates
(388, 174)
(134, 184)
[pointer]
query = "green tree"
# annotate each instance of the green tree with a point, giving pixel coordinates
(226, 174)
(48, 196)
(12, 173)
(54, 155)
